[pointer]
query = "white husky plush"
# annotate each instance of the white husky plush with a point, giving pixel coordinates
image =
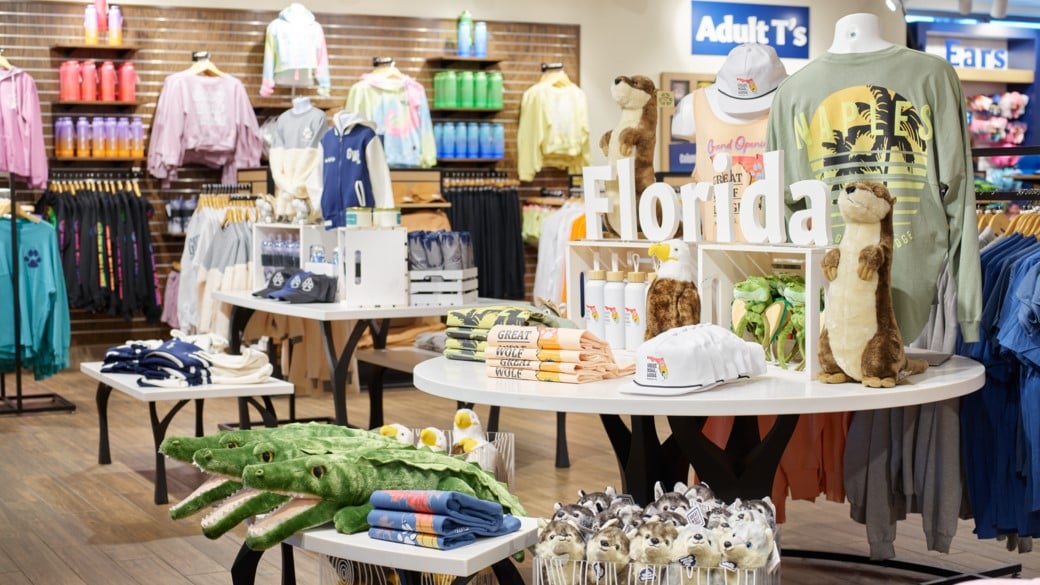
(746, 547)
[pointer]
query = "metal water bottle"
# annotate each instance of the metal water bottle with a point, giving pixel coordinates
(465, 34)
(136, 138)
(115, 26)
(90, 25)
(595, 281)
(107, 77)
(613, 309)
(88, 81)
(82, 137)
(635, 310)
(127, 82)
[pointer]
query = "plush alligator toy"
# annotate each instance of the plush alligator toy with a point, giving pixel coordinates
(228, 464)
(337, 487)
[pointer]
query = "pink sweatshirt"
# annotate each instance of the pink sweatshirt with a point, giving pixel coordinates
(22, 151)
(203, 120)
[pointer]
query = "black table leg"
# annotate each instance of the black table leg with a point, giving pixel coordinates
(243, 570)
(158, 434)
(101, 398)
(199, 427)
(288, 565)
(375, 384)
(563, 459)
(267, 413)
(339, 364)
(240, 317)
(746, 467)
(506, 572)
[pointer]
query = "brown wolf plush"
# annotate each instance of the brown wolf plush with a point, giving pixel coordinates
(634, 136)
(861, 340)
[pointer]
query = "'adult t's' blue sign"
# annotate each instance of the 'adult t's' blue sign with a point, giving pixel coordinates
(720, 26)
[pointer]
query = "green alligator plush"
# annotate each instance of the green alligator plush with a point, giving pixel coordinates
(228, 464)
(337, 487)
(215, 489)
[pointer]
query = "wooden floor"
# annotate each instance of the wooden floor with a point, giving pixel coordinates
(64, 519)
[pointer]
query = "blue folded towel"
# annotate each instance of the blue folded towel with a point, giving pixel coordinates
(437, 524)
(437, 541)
(465, 509)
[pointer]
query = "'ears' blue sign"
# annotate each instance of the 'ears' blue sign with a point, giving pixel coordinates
(718, 27)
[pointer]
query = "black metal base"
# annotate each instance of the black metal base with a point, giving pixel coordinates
(946, 576)
(230, 426)
(34, 403)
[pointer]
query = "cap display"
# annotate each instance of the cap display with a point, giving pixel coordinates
(314, 288)
(291, 285)
(275, 283)
(748, 79)
(694, 358)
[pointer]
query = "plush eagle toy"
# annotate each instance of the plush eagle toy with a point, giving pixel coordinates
(672, 300)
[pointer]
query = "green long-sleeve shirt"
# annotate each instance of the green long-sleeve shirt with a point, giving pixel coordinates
(896, 116)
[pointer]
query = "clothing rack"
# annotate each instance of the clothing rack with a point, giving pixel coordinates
(1017, 195)
(222, 189)
(23, 403)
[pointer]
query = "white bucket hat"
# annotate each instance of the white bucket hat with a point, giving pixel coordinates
(748, 79)
(694, 358)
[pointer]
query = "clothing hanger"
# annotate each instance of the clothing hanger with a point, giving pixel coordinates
(385, 66)
(4, 62)
(202, 65)
(999, 223)
(554, 73)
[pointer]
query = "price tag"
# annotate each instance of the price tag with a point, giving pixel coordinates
(689, 561)
(728, 565)
(695, 516)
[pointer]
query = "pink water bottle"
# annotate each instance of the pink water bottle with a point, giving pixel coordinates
(101, 9)
(127, 82)
(107, 75)
(72, 80)
(88, 81)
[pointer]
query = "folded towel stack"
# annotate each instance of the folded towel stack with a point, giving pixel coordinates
(468, 328)
(550, 355)
(435, 519)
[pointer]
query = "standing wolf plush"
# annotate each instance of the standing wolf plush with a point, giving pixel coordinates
(861, 340)
(634, 136)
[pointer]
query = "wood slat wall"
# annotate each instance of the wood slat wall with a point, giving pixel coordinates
(166, 36)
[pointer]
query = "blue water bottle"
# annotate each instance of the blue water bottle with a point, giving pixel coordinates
(465, 38)
(499, 141)
(480, 39)
(473, 140)
(461, 141)
(487, 141)
(447, 148)
(438, 136)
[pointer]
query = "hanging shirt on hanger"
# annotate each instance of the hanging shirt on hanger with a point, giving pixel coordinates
(22, 150)
(554, 127)
(205, 120)
(294, 51)
(397, 104)
(895, 115)
(295, 157)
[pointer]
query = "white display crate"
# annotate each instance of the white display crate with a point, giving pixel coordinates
(443, 288)
(375, 267)
(721, 266)
(308, 235)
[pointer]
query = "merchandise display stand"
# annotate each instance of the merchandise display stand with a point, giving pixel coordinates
(22, 403)
(745, 468)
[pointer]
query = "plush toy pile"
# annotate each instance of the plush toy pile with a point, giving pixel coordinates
(683, 536)
(305, 475)
(771, 309)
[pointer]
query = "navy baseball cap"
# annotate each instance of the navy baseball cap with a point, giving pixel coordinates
(290, 286)
(314, 288)
(275, 283)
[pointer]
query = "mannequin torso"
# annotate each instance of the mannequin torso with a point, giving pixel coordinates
(858, 33)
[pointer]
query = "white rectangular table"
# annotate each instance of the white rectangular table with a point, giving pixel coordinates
(127, 384)
(244, 304)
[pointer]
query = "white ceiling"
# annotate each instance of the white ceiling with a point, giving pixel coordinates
(1030, 8)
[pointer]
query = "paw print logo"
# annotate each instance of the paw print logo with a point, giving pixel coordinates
(32, 258)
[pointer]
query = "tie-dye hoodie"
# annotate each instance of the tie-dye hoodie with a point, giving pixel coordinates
(397, 104)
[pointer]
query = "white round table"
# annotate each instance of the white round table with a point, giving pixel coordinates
(746, 467)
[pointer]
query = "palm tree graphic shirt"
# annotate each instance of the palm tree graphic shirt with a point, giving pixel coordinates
(896, 116)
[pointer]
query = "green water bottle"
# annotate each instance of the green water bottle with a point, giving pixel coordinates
(494, 90)
(480, 90)
(438, 89)
(465, 90)
(449, 84)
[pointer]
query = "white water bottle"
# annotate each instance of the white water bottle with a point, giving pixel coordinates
(595, 281)
(614, 309)
(635, 310)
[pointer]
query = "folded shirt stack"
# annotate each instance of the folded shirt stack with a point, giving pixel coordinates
(435, 519)
(550, 354)
(468, 328)
(178, 363)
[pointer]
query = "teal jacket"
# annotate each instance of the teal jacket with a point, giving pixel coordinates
(44, 304)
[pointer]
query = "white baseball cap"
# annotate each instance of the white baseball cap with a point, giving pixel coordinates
(748, 79)
(694, 358)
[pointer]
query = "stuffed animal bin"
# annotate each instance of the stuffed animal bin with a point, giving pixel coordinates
(860, 340)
